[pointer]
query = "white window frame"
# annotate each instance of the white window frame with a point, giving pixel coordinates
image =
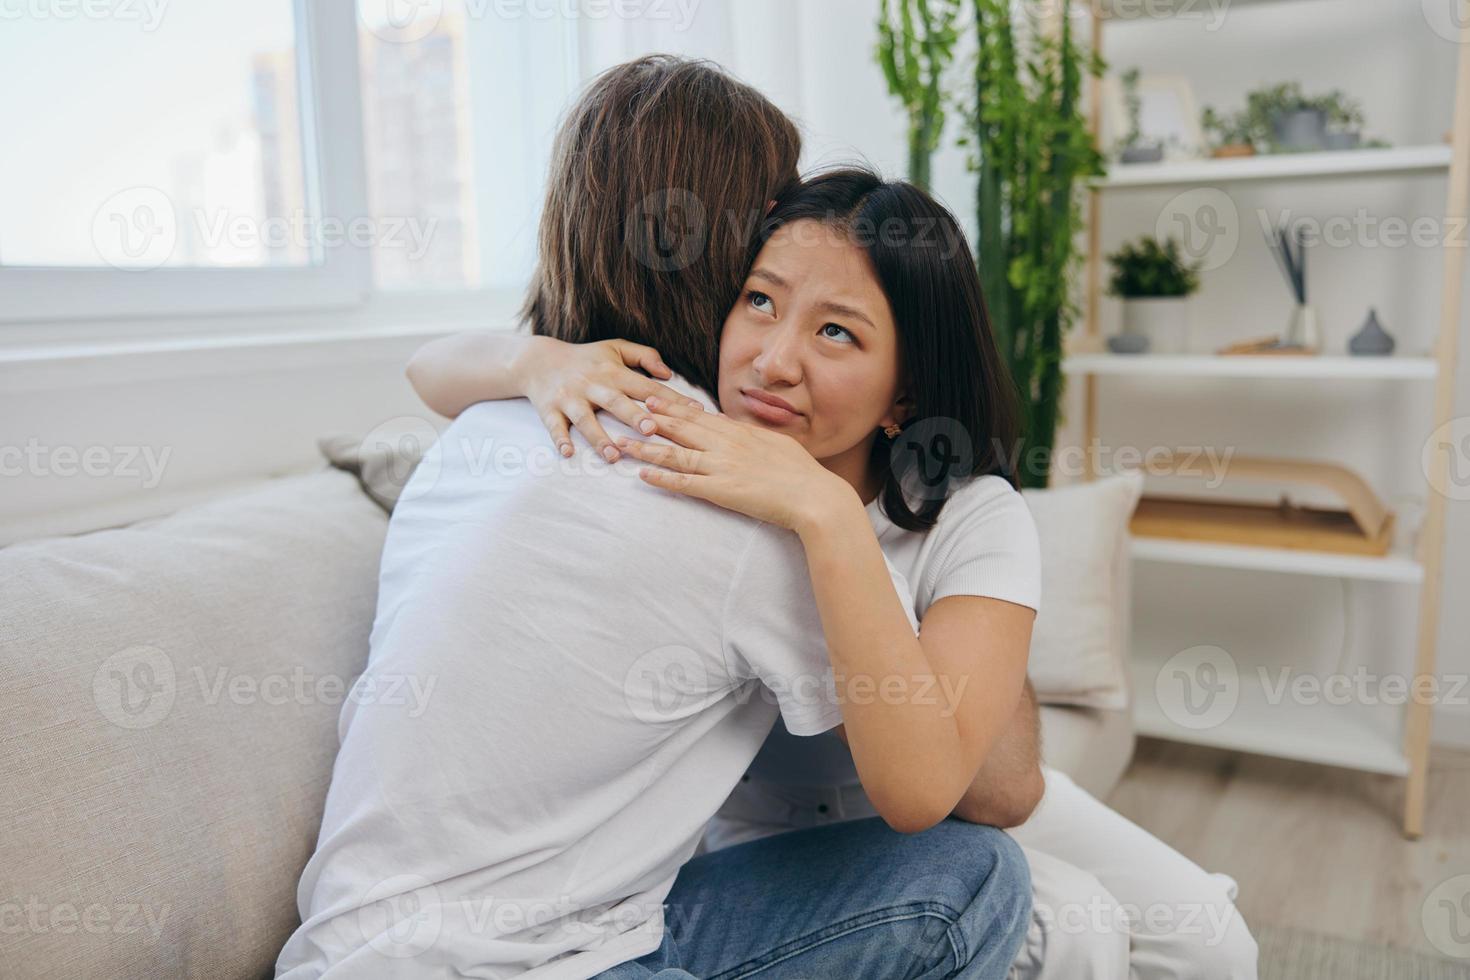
(336, 179)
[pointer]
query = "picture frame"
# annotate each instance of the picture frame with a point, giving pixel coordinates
(1168, 116)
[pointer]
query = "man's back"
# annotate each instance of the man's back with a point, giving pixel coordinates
(592, 652)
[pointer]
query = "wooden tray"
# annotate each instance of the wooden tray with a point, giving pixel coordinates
(1283, 525)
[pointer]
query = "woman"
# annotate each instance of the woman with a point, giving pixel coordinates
(857, 319)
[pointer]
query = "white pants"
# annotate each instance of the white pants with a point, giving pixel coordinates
(1110, 899)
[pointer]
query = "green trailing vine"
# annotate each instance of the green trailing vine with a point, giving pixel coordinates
(916, 40)
(1030, 149)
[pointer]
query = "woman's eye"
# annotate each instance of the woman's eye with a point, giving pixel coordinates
(758, 298)
(833, 332)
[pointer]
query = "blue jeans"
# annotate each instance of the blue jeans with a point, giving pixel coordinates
(853, 900)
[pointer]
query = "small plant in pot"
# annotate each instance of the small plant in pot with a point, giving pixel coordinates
(1295, 122)
(1154, 283)
(1344, 122)
(1135, 148)
(1230, 134)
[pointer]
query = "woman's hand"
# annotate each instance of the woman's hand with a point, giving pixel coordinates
(568, 383)
(741, 467)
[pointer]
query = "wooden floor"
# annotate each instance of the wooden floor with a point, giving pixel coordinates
(1312, 847)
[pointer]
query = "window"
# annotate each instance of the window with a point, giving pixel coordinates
(419, 145)
(461, 99)
(215, 157)
(111, 162)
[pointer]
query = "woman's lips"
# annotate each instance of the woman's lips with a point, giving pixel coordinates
(768, 408)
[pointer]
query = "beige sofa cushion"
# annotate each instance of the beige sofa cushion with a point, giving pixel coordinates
(169, 696)
(1080, 643)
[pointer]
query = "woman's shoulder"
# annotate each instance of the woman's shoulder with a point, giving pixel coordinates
(984, 498)
(985, 544)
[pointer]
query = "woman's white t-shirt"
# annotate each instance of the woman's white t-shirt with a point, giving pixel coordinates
(984, 544)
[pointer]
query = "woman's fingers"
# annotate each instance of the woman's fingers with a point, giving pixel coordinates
(584, 418)
(685, 483)
(561, 436)
(682, 431)
(693, 414)
(620, 406)
(642, 389)
(673, 457)
(642, 356)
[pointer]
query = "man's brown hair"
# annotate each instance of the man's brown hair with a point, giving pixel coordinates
(659, 178)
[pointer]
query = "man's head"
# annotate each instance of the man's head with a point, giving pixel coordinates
(659, 179)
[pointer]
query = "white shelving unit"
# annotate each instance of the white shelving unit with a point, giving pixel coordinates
(1389, 568)
(1395, 160)
(1373, 738)
(1232, 366)
(1350, 736)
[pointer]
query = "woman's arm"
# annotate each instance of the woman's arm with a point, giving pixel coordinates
(567, 383)
(919, 745)
(1009, 786)
(917, 722)
(452, 373)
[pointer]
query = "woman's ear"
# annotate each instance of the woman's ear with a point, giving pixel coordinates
(901, 412)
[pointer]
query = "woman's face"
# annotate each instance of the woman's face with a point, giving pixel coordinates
(811, 349)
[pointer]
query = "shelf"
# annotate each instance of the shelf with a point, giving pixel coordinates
(1208, 554)
(1129, 11)
(1253, 366)
(1345, 735)
(1279, 166)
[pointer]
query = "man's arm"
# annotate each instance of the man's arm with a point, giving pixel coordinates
(1009, 785)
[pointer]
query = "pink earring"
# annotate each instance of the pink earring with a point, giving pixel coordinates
(893, 431)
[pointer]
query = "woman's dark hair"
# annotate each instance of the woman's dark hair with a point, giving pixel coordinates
(965, 416)
(659, 178)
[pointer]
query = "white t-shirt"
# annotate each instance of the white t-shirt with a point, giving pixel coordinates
(606, 659)
(984, 544)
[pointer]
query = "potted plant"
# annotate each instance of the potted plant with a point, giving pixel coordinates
(1295, 122)
(1344, 121)
(1154, 284)
(1230, 134)
(1135, 148)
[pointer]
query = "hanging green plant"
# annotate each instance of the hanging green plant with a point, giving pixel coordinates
(1031, 148)
(916, 41)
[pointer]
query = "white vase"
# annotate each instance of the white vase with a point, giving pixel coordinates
(1164, 320)
(1303, 330)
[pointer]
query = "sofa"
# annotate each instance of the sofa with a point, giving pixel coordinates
(168, 718)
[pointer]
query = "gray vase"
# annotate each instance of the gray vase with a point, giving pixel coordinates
(1142, 153)
(1128, 343)
(1372, 339)
(1300, 129)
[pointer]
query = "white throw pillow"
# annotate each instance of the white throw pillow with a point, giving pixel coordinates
(1079, 645)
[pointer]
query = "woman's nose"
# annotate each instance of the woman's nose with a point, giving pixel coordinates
(780, 357)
